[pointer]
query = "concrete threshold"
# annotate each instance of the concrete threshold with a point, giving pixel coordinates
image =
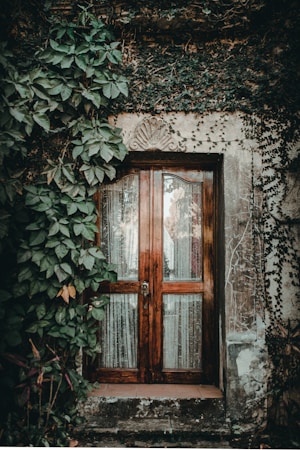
(136, 390)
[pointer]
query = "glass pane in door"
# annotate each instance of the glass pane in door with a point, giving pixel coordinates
(118, 332)
(182, 229)
(119, 225)
(182, 331)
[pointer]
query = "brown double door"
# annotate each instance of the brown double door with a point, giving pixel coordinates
(157, 228)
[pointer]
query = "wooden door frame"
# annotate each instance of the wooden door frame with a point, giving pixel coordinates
(155, 160)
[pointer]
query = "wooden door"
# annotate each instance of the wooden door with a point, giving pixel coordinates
(157, 226)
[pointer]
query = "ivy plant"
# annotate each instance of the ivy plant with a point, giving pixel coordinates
(56, 108)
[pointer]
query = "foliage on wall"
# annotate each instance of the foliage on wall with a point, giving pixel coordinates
(56, 148)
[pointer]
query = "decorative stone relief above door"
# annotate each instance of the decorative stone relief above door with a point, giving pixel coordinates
(153, 133)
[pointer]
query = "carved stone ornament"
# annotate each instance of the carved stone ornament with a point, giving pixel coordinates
(153, 134)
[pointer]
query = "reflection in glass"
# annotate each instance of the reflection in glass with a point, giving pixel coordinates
(182, 236)
(182, 331)
(119, 225)
(118, 332)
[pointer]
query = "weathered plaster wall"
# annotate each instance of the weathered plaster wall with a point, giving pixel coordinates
(244, 355)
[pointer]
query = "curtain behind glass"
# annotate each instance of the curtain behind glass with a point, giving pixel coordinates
(182, 234)
(119, 225)
(119, 332)
(182, 319)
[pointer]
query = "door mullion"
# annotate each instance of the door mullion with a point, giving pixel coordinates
(144, 275)
(155, 306)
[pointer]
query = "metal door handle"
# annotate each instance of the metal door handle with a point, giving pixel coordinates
(145, 288)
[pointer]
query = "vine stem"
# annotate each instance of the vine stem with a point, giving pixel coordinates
(49, 403)
(235, 249)
(52, 401)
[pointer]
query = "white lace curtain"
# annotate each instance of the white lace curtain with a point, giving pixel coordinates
(182, 229)
(119, 225)
(182, 319)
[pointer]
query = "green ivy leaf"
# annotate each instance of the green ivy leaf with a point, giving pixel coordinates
(96, 252)
(42, 120)
(88, 261)
(106, 152)
(97, 313)
(78, 228)
(17, 114)
(110, 90)
(54, 229)
(68, 330)
(67, 62)
(64, 230)
(60, 315)
(65, 92)
(37, 238)
(62, 271)
(61, 251)
(40, 310)
(80, 62)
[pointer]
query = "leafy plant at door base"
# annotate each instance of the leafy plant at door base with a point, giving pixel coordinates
(54, 111)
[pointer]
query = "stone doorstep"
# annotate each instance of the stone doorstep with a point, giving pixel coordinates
(155, 417)
(155, 426)
(146, 441)
(144, 438)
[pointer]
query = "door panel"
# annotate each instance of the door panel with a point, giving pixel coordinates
(157, 227)
(182, 228)
(182, 331)
(119, 225)
(119, 332)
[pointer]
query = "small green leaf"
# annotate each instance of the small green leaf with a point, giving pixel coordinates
(115, 56)
(88, 232)
(66, 62)
(32, 328)
(123, 88)
(96, 252)
(54, 229)
(106, 152)
(88, 261)
(37, 238)
(60, 272)
(42, 120)
(68, 173)
(61, 251)
(40, 310)
(60, 315)
(64, 230)
(77, 151)
(67, 268)
(83, 207)
(69, 331)
(18, 115)
(65, 92)
(71, 208)
(78, 228)
(24, 256)
(80, 63)
(97, 313)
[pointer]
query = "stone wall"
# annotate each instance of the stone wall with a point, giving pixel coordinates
(244, 358)
(244, 363)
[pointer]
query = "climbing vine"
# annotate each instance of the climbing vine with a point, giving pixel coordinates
(57, 147)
